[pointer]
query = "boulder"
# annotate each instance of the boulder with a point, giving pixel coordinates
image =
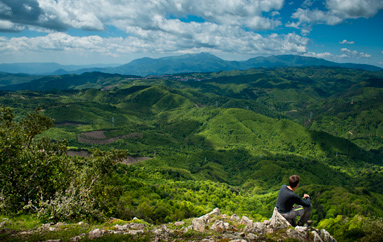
(134, 232)
(220, 226)
(200, 223)
(138, 226)
(121, 227)
(96, 233)
(179, 223)
(246, 221)
(277, 221)
(317, 237)
(257, 227)
(326, 236)
(77, 238)
(234, 217)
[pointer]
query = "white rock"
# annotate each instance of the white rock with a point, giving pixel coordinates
(134, 232)
(317, 237)
(326, 237)
(234, 217)
(245, 220)
(218, 226)
(96, 233)
(179, 223)
(277, 221)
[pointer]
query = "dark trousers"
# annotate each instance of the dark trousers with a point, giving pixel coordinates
(304, 212)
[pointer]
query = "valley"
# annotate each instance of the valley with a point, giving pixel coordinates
(225, 139)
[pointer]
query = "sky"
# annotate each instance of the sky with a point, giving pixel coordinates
(83, 32)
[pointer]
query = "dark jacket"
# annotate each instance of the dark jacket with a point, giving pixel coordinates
(287, 198)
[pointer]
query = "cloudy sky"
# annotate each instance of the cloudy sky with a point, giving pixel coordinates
(118, 31)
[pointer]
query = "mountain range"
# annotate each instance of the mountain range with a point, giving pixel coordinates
(225, 139)
(202, 62)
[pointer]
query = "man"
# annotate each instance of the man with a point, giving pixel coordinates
(287, 198)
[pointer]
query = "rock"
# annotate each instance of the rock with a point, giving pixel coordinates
(134, 232)
(214, 212)
(302, 233)
(200, 223)
(161, 230)
(317, 237)
(208, 240)
(220, 226)
(234, 217)
(3, 223)
(185, 230)
(52, 229)
(180, 223)
(77, 238)
(60, 224)
(121, 227)
(45, 226)
(96, 233)
(257, 227)
(277, 221)
(326, 237)
(252, 237)
(137, 226)
(218, 230)
(245, 220)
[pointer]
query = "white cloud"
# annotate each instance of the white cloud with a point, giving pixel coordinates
(337, 11)
(7, 26)
(154, 26)
(346, 42)
(212, 38)
(353, 54)
(96, 14)
(323, 55)
(354, 8)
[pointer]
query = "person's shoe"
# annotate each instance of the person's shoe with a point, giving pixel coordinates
(309, 222)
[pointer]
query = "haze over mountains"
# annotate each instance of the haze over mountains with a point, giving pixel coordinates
(202, 62)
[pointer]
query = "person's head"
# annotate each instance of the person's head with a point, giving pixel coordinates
(294, 181)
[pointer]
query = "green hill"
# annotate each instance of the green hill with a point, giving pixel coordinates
(229, 140)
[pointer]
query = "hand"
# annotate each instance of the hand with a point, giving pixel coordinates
(305, 196)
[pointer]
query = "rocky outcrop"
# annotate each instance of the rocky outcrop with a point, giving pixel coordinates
(213, 226)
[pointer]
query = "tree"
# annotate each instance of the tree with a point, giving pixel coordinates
(27, 165)
(37, 174)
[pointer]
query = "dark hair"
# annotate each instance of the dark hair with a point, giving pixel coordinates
(293, 181)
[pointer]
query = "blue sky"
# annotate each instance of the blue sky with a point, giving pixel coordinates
(118, 31)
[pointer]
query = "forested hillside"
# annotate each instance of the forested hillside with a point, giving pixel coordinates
(196, 142)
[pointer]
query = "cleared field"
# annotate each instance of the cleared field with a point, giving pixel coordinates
(99, 137)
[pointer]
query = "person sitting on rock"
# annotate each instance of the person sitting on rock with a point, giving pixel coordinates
(286, 200)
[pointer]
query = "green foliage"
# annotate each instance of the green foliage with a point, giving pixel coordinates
(26, 163)
(229, 140)
(38, 175)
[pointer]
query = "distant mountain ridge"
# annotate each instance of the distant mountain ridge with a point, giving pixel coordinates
(202, 62)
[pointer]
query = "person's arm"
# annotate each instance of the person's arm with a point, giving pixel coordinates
(305, 202)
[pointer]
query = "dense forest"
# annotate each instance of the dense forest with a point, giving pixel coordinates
(165, 148)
